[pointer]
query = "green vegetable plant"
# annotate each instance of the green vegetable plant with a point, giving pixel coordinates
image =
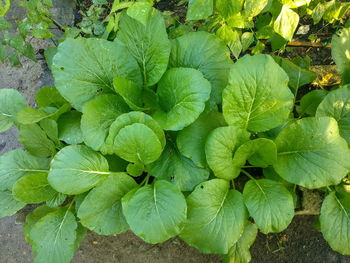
(36, 23)
(170, 138)
(242, 24)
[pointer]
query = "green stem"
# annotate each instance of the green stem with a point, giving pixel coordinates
(249, 166)
(233, 184)
(248, 174)
(145, 181)
(329, 189)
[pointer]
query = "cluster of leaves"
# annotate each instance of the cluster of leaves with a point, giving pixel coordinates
(161, 137)
(37, 23)
(244, 23)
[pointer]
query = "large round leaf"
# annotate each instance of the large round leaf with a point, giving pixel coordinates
(341, 53)
(178, 169)
(101, 210)
(69, 129)
(216, 217)
(131, 93)
(182, 94)
(148, 43)
(257, 97)
(259, 152)
(270, 204)
(219, 148)
(128, 119)
(76, 169)
(36, 141)
(11, 102)
(91, 70)
(54, 237)
(208, 54)
(337, 105)
(8, 205)
(311, 153)
(33, 188)
(191, 140)
(138, 143)
(155, 212)
(18, 163)
(239, 252)
(98, 115)
(335, 222)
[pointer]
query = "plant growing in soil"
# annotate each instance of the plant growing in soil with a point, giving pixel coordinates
(242, 24)
(170, 138)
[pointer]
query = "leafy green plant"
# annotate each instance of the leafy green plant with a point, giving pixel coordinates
(37, 23)
(170, 138)
(254, 22)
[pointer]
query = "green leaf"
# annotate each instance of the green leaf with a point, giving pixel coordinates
(8, 205)
(33, 217)
(33, 189)
(54, 236)
(18, 163)
(4, 24)
(131, 93)
(69, 127)
(90, 72)
(208, 54)
(311, 153)
(11, 102)
(247, 39)
(335, 222)
(29, 115)
(341, 53)
(182, 94)
(135, 169)
(98, 115)
(101, 210)
(35, 140)
(295, 3)
(4, 7)
(216, 217)
(56, 200)
(254, 7)
(49, 96)
(228, 8)
(219, 148)
(297, 76)
(191, 140)
(286, 23)
(49, 126)
(130, 118)
(160, 207)
(259, 48)
(141, 11)
(178, 169)
(49, 53)
(138, 143)
(239, 252)
(270, 204)
(257, 97)
(337, 105)
(199, 9)
(260, 152)
(76, 169)
(149, 45)
(310, 102)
